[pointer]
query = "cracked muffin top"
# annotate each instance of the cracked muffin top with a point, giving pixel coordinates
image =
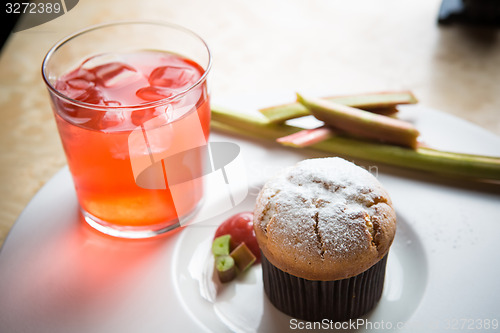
(324, 219)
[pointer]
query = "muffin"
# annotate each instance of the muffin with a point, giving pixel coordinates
(324, 227)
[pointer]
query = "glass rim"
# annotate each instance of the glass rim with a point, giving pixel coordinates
(134, 107)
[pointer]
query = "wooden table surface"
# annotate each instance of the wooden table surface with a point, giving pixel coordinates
(260, 46)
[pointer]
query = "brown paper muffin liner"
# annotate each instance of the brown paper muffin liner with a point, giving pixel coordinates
(310, 300)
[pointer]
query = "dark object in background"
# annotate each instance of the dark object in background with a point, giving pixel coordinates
(473, 12)
(8, 23)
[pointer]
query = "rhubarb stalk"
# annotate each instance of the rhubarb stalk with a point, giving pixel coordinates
(306, 137)
(380, 102)
(361, 123)
(421, 159)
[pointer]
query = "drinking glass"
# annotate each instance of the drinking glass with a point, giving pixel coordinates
(131, 103)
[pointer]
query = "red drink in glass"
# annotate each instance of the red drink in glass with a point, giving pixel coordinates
(130, 123)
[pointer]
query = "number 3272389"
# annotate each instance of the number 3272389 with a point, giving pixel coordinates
(33, 8)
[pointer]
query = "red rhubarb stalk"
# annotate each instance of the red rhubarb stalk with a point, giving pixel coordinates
(306, 137)
(361, 123)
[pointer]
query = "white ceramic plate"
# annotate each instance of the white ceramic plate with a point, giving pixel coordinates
(58, 275)
(242, 306)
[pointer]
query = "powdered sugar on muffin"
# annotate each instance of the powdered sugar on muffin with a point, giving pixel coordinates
(324, 219)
